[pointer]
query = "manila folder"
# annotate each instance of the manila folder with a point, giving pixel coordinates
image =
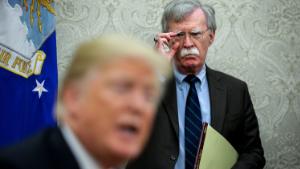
(215, 152)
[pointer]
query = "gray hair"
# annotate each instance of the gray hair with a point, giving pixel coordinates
(177, 10)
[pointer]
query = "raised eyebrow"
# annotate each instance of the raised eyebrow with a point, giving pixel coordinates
(196, 31)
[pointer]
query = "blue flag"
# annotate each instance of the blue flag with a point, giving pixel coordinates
(28, 68)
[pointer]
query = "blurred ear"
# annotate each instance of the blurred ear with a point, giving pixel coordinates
(211, 37)
(71, 97)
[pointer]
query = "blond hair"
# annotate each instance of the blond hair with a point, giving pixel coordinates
(100, 51)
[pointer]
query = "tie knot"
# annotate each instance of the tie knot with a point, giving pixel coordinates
(191, 79)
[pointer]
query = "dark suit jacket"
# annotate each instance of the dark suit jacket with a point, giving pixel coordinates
(232, 115)
(47, 150)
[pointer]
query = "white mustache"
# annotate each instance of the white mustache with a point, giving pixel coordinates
(189, 51)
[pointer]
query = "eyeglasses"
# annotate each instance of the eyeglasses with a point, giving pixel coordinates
(196, 35)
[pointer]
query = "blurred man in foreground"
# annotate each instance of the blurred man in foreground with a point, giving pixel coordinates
(106, 105)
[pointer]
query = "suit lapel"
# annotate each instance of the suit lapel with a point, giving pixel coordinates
(217, 94)
(61, 154)
(170, 104)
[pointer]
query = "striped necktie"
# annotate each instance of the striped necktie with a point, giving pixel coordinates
(193, 123)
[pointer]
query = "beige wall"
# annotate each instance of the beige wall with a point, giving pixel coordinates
(257, 41)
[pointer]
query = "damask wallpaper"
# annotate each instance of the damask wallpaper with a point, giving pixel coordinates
(256, 40)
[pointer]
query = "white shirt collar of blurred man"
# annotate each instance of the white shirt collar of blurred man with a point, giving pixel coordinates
(83, 157)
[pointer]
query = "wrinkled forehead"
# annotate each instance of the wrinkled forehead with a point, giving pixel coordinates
(194, 20)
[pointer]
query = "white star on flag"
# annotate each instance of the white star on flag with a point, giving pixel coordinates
(39, 88)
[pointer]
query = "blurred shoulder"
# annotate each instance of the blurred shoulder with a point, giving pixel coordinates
(31, 152)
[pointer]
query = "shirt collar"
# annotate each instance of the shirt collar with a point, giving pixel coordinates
(84, 159)
(180, 77)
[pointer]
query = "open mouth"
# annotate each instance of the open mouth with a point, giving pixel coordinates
(128, 128)
(128, 131)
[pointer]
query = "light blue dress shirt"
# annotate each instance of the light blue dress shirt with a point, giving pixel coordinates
(182, 89)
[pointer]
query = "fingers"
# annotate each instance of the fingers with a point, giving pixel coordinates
(167, 36)
(160, 43)
(165, 39)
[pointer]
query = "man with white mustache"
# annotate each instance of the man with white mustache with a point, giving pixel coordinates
(192, 52)
(198, 94)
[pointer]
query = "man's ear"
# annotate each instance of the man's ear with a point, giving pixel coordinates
(211, 37)
(71, 97)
